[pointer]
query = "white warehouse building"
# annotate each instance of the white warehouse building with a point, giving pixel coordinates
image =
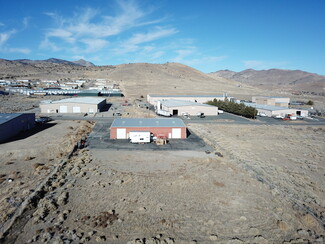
(74, 105)
(153, 98)
(180, 107)
(271, 111)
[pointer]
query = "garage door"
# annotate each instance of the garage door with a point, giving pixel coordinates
(176, 133)
(121, 134)
(76, 109)
(63, 109)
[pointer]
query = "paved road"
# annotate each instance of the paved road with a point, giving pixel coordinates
(225, 118)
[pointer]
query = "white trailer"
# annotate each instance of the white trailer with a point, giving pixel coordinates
(163, 113)
(140, 136)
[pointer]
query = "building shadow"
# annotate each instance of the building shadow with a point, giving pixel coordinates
(106, 107)
(188, 133)
(25, 134)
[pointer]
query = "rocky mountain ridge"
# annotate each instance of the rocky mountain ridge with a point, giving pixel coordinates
(80, 62)
(294, 80)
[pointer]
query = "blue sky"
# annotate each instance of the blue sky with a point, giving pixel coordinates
(208, 35)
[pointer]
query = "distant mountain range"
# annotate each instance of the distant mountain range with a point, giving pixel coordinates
(80, 62)
(295, 80)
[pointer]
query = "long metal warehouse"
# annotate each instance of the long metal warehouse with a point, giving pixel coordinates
(271, 111)
(74, 105)
(160, 127)
(12, 124)
(179, 107)
(153, 98)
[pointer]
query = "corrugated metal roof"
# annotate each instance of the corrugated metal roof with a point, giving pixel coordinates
(148, 122)
(155, 95)
(270, 97)
(266, 107)
(6, 117)
(181, 103)
(86, 100)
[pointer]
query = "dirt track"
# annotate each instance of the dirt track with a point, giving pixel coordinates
(190, 197)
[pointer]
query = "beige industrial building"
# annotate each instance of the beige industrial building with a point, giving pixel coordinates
(272, 111)
(180, 107)
(153, 98)
(271, 101)
(74, 105)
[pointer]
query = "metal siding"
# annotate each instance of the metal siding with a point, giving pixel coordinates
(176, 133)
(156, 131)
(147, 122)
(16, 125)
(76, 110)
(121, 133)
(63, 109)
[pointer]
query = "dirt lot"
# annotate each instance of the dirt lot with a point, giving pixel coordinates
(253, 188)
(20, 103)
(26, 162)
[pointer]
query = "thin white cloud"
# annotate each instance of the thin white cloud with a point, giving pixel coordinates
(4, 37)
(19, 50)
(151, 36)
(260, 64)
(90, 31)
(62, 34)
(6, 48)
(2, 24)
(133, 43)
(90, 24)
(26, 22)
(47, 44)
(94, 45)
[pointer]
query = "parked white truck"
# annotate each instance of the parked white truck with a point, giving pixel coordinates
(163, 113)
(140, 136)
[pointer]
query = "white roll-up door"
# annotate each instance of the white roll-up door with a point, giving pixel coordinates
(121, 133)
(176, 133)
(76, 110)
(63, 109)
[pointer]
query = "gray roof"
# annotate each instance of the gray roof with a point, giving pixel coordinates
(148, 122)
(270, 97)
(181, 103)
(6, 117)
(155, 95)
(85, 100)
(267, 107)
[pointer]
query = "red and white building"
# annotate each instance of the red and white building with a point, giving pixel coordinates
(172, 128)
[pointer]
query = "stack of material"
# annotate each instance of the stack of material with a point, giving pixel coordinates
(161, 141)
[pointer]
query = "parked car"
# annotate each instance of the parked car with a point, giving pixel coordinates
(278, 117)
(262, 114)
(220, 111)
(42, 120)
(201, 115)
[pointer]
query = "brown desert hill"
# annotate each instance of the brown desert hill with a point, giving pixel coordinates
(291, 80)
(136, 79)
(139, 79)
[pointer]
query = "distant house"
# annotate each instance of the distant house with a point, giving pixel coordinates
(15, 123)
(74, 105)
(172, 128)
